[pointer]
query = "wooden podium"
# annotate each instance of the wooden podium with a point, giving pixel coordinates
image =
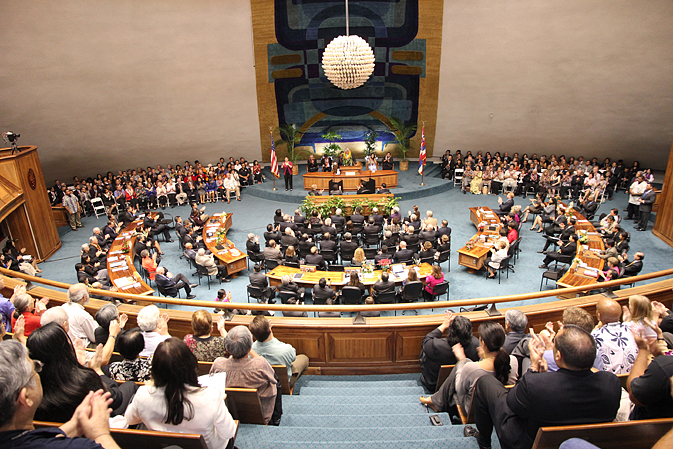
(25, 209)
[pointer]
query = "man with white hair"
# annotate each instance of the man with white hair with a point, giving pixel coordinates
(430, 220)
(82, 326)
(516, 323)
(56, 315)
(154, 327)
(337, 218)
(104, 240)
(208, 261)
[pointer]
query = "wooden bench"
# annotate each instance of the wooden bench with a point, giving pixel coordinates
(244, 405)
(622, 435)
(444, 372)
(150, 439)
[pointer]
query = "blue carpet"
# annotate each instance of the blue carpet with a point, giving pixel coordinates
(374, 411)
(254, 213)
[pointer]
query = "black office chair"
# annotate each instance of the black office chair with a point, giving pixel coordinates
(163, 292)
(429, 260)
(347, 256)
(445, 256)
(370, 253)
(372, 239)
(411, 292)
(255, 292)
(284, 296)
(439, 290)
(255, 258)
(553, 275)
(351, 295)
(385, 298)
(291, 264)
(270, 264)
(203, 271)
(505, 265)
(329, 255)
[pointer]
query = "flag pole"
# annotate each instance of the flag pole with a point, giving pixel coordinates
(423, 144)
(273, 159)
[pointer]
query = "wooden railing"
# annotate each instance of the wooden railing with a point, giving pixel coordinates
(383, 344)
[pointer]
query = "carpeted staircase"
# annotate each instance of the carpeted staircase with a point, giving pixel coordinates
(356, 412)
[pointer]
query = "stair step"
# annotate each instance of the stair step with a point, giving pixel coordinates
(353, 421)
(360, 384)
(361, 391)
(351, 409)
(350, 400)
(310, 435)
(437, 443)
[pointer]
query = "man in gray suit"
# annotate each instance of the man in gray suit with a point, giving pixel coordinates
(259, 280)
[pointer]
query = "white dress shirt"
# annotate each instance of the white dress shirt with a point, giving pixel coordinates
(81, 323)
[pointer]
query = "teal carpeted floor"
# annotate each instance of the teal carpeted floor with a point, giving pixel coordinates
(356, 412)
(253, 213)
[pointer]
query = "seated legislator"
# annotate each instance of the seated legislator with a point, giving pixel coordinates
(246, 369)
(312, 164)
(436, 350)
(316, 259)
(506, 205)
(572, 395)
(171, 284)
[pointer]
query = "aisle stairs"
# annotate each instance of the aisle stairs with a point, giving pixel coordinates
(356, 412)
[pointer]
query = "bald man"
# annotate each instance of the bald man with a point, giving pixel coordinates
(614, 341)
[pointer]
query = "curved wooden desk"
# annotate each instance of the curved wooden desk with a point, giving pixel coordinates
(226, 252)
(337, 277)
(475, 257)
(351, 178)
(577, 276)
(121, 271)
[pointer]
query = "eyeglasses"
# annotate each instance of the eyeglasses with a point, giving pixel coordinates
(37, 368)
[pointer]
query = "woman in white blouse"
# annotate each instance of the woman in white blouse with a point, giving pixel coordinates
(175, 402)
(499, 254)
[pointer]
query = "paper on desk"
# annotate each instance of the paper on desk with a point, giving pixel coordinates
(114, 270)
(124, 282)
(116, 264)
(115, 252)
(591, 273)
(112, 259)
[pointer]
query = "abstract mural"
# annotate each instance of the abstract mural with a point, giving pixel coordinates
(293, 89)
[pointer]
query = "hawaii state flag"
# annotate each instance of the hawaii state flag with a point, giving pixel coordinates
(421, 156)
(274, 159)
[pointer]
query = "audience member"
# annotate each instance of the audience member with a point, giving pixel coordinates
(206, 347)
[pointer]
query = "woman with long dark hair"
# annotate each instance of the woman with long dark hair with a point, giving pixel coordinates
(458, 388)
(176, 402)
(65, 383)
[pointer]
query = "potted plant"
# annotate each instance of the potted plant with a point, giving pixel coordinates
(370, 142)
(290, 136)
(332, 149)
(403, 135)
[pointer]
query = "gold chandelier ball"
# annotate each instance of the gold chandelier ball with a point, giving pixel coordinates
(348, 62)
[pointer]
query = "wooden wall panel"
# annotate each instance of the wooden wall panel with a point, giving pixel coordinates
(360, 347)
(408, 344)
(663, 226)
(312, 344)
(17, 225)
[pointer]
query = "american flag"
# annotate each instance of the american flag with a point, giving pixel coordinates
(421, 156)
(274, 159)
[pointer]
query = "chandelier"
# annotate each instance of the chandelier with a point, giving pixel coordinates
(348, 61)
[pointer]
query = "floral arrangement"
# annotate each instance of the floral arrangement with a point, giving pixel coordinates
(367, 268)
(126, 247)
(469, 245)
(221, 236)
(385, 264)
(584, 237)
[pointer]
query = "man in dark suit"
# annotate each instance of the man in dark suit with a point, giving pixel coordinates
(428, 235)
(287, 223)
(180, 227)
(403, 254)
(566, 252)
(288, 239)
(566, 231)
(252, 245)
(444, 229)
(635, 267)
(171, 285)
(305, 244)
(571, 395)
(127, 217)
(383, 254)
(298, 217)
(357, 217)
(328, 243)
(589, 207)
(82, 276)
(515, 326)
(506, 205)
(645, 208)
(407, 235)
(348, 245)
(271, 234)
(378, 218)
(316, 259)
(156, 228)
(259, 280)
(383, 286)
(328, 228)
(371, 228)
(384, 189)
(323, 291)
(337, 219)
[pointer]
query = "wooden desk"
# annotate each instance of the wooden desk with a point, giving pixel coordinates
(337, 277)
(351, 178)
(575, 276)
(121, 271)
(475, 258)
(231, 257)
